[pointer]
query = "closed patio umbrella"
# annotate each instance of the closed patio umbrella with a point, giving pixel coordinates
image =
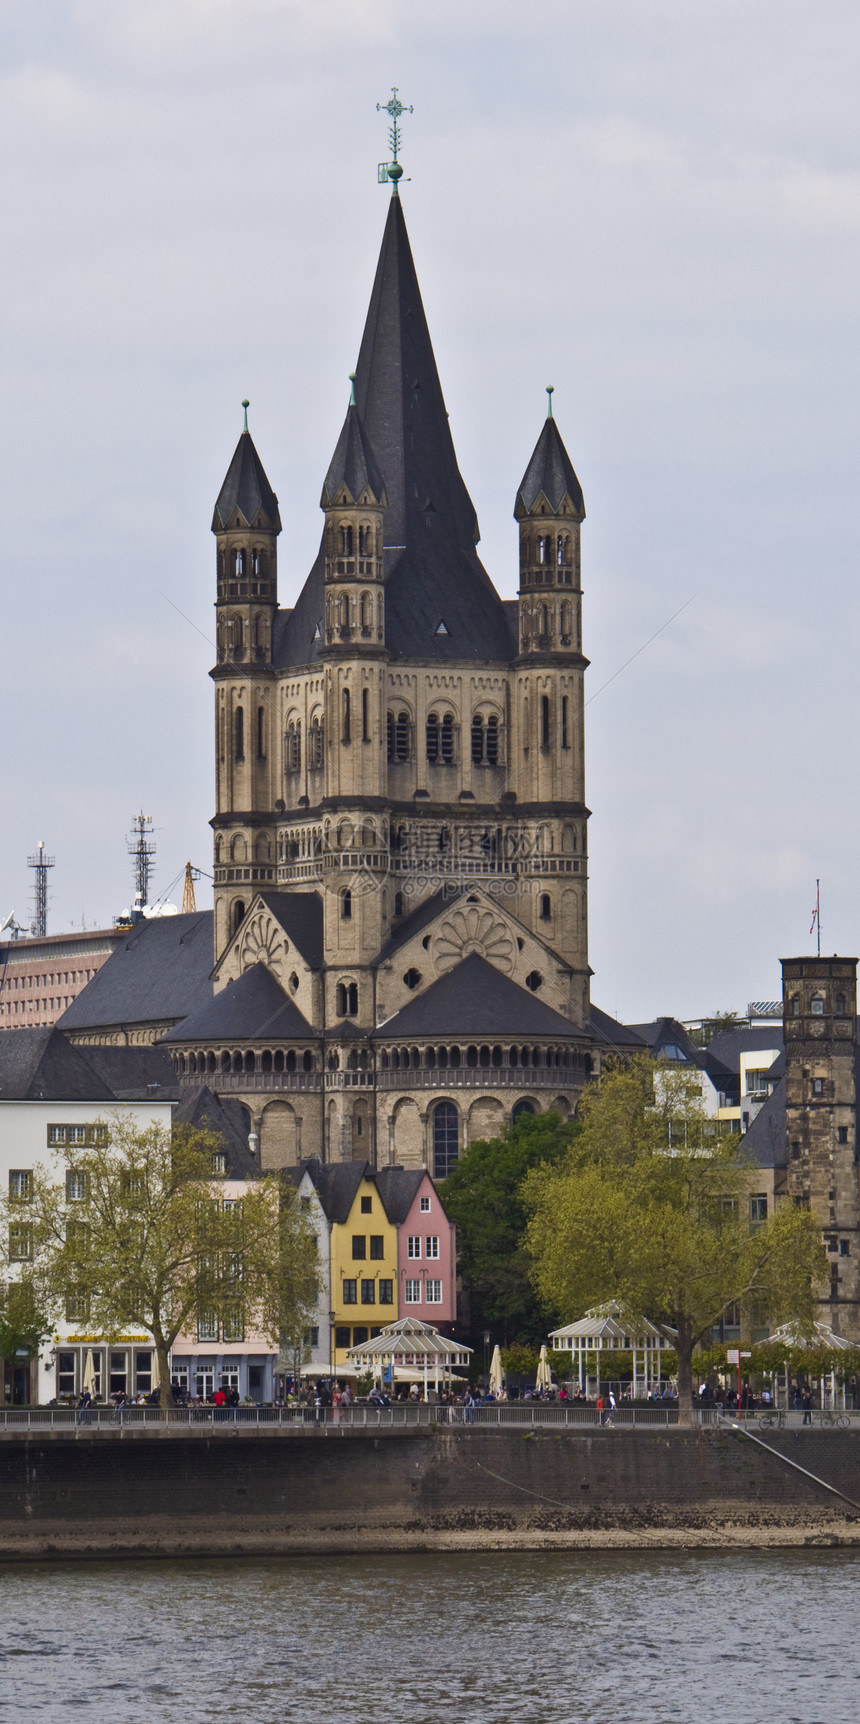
(544, 1374)
(497, 1377)
(89, 1377)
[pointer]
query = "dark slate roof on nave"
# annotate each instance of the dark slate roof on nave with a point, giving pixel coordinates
(475, 999)
(161, 971)
(252, 1008)
(40, 1065)
(440, 602)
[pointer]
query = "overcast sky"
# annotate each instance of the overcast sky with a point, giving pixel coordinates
(653, 206)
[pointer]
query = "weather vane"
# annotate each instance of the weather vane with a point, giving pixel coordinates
(392, 170)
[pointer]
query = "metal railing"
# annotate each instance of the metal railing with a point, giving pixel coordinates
(361, 1415)
(517, 1415)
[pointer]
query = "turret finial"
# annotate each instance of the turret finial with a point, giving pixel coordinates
(352, 389)
(246, 405)
(550, 391)
(392, 170)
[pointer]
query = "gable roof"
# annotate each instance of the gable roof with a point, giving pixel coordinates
(252, 1008)
(766, 1140)
(205, 1111)
(301, 917)
(608, 1029)
(40, 1065)
(161, 971)
(247, 489)
(475, 999)
(550, 474)
(138, 1073)
(667, 1039)
(398, 1187)
(433, 572)
(336, 1184)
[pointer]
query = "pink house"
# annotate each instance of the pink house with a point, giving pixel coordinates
(426, 1246)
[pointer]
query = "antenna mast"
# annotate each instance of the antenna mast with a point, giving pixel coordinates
(40, 863)
(141, 849)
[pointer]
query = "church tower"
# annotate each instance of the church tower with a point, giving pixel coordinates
(246, 524)
(401, 953)
(549, 701)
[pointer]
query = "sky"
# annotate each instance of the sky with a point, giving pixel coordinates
(652, 205)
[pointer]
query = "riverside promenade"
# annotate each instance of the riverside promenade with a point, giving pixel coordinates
(158, 1488)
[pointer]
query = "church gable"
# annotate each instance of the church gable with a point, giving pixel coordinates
(262, 939)
(475, 923)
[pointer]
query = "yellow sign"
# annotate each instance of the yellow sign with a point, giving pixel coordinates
(109, 1340)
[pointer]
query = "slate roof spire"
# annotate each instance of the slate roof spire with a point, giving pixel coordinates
(550, 474)
(432, 569)
(353, 465)
(246, 489)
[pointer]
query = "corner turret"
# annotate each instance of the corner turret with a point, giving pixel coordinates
(550, 510)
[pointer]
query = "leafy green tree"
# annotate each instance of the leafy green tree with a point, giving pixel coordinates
(650, 1206)
(25, 1324)
(483, 1196)
(140, 1230)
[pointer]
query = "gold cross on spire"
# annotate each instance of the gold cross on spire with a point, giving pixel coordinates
(392, 170)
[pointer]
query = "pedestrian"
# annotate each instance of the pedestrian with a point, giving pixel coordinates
(601, 1410)
(468, 1408)
(85, 1408)
(806, 1403)
(610, 1416)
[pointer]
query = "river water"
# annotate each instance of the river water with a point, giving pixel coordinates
(427, 1639)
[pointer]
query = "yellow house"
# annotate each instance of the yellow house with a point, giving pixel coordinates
(363, 1264)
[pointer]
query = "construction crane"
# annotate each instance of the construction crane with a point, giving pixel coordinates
(189, 902)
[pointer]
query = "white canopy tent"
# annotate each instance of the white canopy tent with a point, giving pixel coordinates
(604, 1330)
(820, 1337)
(412, 1346)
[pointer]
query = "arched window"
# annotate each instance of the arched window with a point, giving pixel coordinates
(816, 1006)
(238, 913)
(365, 715)
(239, 733)
(477, 740)
(544, 721)
(445, 1139)
(559, 549)
(346, 716)
(261, 733)
(398, 903)
(492, 740)
(365, 542)
(565, 739)
(401, 738)
(345, 904)
(447, 739)
(795, 1005)
(545, 907)
(522, 1107)
(345, 541)
(240, 562)
(433, 738)
(365, 612)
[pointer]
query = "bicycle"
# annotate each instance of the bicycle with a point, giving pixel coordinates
(773, 1419)
(840, 1420)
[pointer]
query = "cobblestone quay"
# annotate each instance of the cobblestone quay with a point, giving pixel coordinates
(94, 1494)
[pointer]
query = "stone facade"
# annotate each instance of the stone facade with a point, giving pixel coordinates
(400, 789)
(820, 1020)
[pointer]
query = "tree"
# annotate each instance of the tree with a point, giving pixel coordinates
(25, 1325)
(139, 1231)
(483, 1196)
(650, 1207)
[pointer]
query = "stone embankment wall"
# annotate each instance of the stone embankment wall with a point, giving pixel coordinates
(110, 1495)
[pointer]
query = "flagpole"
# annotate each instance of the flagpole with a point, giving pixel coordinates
(818, 913)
